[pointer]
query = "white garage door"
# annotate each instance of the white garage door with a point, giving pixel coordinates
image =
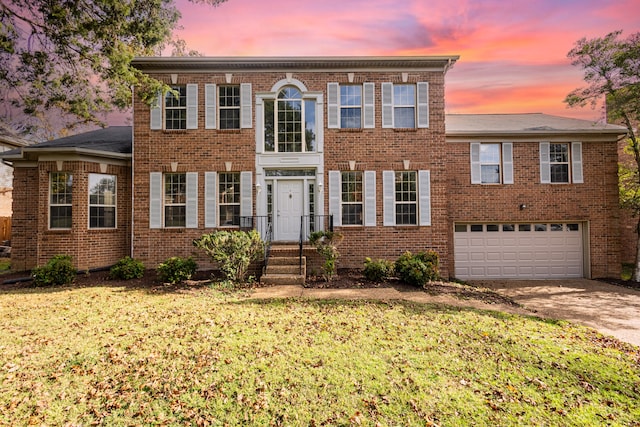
(533, 251)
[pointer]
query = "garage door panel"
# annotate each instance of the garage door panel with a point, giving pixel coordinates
(543, 254)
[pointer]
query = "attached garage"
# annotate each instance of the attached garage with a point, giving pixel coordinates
(519, 251)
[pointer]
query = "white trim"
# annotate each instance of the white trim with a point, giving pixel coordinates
(114, 205)
(210, 106)
(192, 106)
(210, 199)
(576, 163)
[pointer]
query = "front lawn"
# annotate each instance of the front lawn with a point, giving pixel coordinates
(113, 355)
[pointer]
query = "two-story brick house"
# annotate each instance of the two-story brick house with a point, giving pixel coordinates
(292, 144)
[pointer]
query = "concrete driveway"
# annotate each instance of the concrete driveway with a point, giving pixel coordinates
(612, 310)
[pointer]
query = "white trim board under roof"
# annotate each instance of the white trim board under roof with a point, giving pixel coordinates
(462, 127)
(306, 63)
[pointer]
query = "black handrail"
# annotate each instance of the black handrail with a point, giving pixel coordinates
(264, 226)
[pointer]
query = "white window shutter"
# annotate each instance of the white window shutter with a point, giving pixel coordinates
(191, 209)
(388, 196)
(246, 194)
(192, 106)
(155, 200)
(476, 174)
(246, 117)
(210, 205)
(424, 197)
(333, 105)
(576, 162)
(507, 163)
(423, 104)
(334, 197)
(387, 105)
(156, 112)
(210, 106)
(369, 107)
(369, 198)
(545, 170)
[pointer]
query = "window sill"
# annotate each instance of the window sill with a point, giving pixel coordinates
(59, 231)
(405, 130)
(103, 230)
(350, 130)
(232, 131)
(174, 131)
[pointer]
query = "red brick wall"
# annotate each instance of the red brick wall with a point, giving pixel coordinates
(594, 202)
(34, 243)
(373, 149)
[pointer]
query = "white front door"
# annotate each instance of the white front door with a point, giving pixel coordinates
(289, 209)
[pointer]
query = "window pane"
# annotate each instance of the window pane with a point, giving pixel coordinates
(490, 153)
(351, 95)
(493, 227)
(406, 214)
(351, 196)
(102, 201)
(524, 227)
(476, 227)
(540, 227)
(230, 119)
(310, 125)
(350, 118)
(572, 227)
(404, 95)
(556, 227)
(508, 227)
(60, 217)
(229, 215)
(175, 216)
(490, 174)
(559, 173)
(102, 217)
(404, 117)
(269, 125)
(229, 199)
(175, 103)
(460, 228)
(352, 214)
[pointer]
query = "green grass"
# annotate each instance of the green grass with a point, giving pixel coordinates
(5, 265)
(119, 356)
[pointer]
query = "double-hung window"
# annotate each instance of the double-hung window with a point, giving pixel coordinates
(229, 198)
(405, 105)
(60, 200)
(352, 197)
(177, 109)
(491, 163)
(102, 201)
(175, 199)
(561, 162)
(229, 97)
(227, 106)
(175, 105)
(350, 106)
(407, 197)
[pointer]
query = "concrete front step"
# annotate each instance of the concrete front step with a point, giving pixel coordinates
(284, 268)
(272, 279)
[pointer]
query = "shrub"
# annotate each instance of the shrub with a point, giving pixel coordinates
(57, 271)
(326, 243)
(418, 269)
(126, 269)
(176, 269)
(377, 271)
(232, 250)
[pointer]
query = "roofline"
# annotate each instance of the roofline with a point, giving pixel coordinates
(61, 150)
(307, 63)
(537, 133)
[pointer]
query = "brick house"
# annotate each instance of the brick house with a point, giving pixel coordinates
(292, 145)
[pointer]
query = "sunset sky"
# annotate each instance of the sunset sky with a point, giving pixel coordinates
(513, 54)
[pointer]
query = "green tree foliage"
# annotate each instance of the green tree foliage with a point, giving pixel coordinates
(72, 58)
(611, 66)
(232, 250)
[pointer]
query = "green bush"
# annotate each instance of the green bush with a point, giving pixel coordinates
(59, 270)
(418, 269)
(126, 269)
(377, 271)
(176, 269)
(232, 250)
(326, 243)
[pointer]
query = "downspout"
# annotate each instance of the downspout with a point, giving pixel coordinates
(132, 220)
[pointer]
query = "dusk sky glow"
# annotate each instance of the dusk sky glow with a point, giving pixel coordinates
(513, 55)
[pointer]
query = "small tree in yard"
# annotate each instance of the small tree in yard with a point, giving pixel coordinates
(612, 72)
(326, 243)
(232, 250)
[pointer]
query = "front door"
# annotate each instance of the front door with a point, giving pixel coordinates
(289, 209)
